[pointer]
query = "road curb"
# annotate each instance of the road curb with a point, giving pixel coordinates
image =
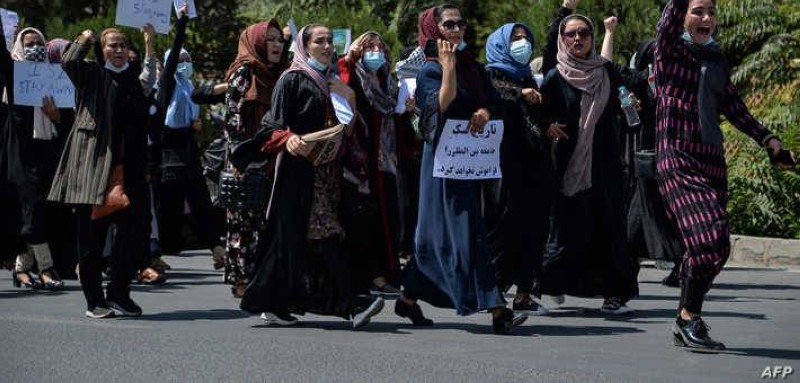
(761, 251)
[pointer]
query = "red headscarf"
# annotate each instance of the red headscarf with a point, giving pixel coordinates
(428, 30)
(253, 51)
(466, 66)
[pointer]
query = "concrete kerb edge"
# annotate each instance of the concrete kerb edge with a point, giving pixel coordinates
(761, 251)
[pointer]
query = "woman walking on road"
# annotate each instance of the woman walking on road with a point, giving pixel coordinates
(300, 264)
(693, 89)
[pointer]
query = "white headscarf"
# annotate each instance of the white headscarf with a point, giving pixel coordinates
(43, 128)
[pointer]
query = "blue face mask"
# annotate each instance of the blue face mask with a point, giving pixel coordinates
(185, 70)
(373, 60)
(314, 63)
(461, 45)
(688, 38)
(521, 51)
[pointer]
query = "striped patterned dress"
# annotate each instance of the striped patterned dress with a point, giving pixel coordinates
(693, 174)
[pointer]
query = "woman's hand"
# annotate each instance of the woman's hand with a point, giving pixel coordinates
(571, 4)
(556, 131)
(183, 10)
(478, 120)
(50, 109)
(611, 24)
(297, 147)
(86, 36)
(447, 54)
(531, 96)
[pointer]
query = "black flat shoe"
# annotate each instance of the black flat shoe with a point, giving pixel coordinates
(29, 284)
(413, 312)
(672, 280)
(694, 334)
(507, 320)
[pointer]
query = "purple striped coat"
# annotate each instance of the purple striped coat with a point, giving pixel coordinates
(693, 174)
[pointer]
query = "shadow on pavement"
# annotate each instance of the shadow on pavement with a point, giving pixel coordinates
(671, 313)
(769, 353)
(189, 315)
(751, 286)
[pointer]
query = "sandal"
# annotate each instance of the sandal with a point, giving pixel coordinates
(150, 276)
(50, 279)
(29, 284)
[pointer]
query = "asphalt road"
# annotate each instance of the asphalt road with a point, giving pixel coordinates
(192, 330)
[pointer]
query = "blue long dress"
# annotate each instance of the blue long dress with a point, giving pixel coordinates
(451, 266)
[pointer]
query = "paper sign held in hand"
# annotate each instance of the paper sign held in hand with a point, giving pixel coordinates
(463, 155)
(192, 12)
(10, 20)
(137, 13)
(35, 80)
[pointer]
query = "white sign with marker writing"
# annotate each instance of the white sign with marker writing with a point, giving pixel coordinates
(137, 13)
(10, 19)
(463, 155)
(35, 80)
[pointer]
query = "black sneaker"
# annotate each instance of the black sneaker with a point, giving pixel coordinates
(362, 316)
(279, 319)
(529, 307)
(100, 313)
(125, 307)
(672, 280)
(507, 320)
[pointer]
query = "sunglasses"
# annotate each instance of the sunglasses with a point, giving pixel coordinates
(452, 24)
(582, 32)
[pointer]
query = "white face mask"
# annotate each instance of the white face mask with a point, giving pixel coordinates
(521, 51)
(114, 69)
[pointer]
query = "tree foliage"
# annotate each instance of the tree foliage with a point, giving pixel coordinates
(761, 38)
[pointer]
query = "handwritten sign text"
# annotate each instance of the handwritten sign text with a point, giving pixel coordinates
(35, 80)
(137, 13)
(463, 155)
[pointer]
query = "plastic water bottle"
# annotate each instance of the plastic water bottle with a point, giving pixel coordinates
(629, 107)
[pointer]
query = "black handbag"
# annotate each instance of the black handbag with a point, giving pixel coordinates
(247, 191)
(214, 159)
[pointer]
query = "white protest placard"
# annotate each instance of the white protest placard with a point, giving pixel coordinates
(192, 12)
(342, 108)
(462, 155)
(10, 20)
(293, 28)
(137, 13)
(34, 80)
(405, 91)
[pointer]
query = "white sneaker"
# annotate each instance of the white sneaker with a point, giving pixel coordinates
(363, 317)
(530, 307)
(279, 319)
